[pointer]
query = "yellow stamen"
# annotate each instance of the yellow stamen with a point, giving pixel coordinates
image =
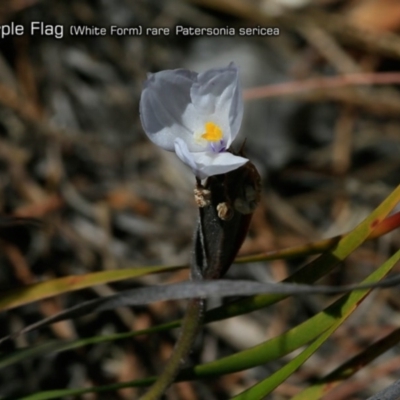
(213, 132)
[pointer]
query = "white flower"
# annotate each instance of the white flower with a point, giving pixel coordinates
(196, 115)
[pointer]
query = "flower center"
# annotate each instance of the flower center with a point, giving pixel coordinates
(213, 132)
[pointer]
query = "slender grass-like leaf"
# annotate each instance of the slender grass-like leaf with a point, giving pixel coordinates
(189, 290)
(260, 301)
(59, 345)
(62, 393)
(324, 263)
(42, 290)
(308, 274)
(387, 225)
(303, 330)
(344, 247)
(267, 351)
(349, 368)
(350, 304)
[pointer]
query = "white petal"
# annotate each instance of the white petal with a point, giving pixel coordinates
(165, 99)
(205, 164)
(209, 164)
(236, 109)
(182, 151)
(218, 92)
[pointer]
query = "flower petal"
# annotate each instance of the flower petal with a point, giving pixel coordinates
(205, 164)
(218, 92)
(209, 164)
(164, 101)
(182, 151)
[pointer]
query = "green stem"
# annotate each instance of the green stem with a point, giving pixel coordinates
(190, 326)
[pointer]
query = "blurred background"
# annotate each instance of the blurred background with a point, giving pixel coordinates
(73, 155)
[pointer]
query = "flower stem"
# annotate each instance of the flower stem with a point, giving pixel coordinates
(216, 242)
(191, 323)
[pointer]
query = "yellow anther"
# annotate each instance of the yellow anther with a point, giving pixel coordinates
(213, 132)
